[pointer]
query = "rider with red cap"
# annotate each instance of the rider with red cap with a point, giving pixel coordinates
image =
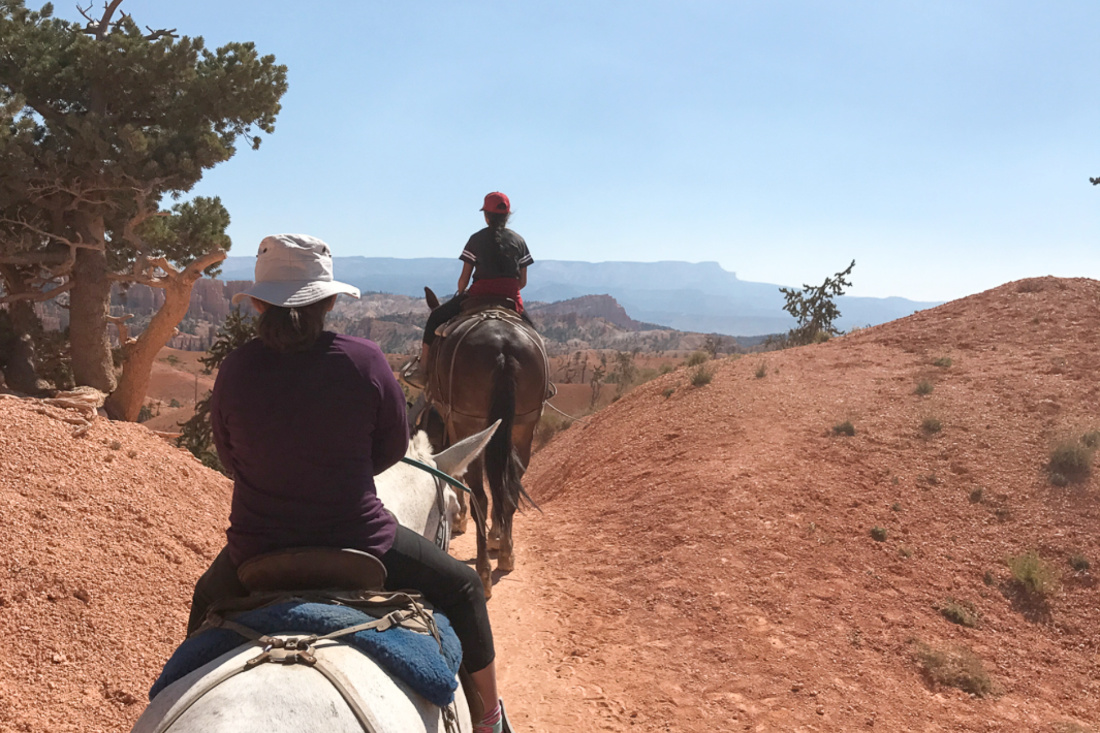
(496, 258)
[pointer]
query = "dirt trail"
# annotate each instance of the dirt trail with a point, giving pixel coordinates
(705, 560)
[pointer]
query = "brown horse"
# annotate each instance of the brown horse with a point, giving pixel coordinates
(491, 365)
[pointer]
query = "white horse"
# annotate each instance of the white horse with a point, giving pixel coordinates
(420, 501)
(344, 691)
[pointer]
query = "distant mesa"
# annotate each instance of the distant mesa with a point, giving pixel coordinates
(699, 297)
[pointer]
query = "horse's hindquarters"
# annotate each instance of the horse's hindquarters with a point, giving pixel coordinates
(296, 698)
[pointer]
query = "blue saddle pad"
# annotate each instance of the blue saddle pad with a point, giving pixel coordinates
(413, 658)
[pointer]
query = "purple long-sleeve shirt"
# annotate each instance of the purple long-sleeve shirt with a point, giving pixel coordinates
(304, 435)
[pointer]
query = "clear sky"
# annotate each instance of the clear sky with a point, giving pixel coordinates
(945, 145)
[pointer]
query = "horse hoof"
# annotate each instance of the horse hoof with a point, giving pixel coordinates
(506, 563)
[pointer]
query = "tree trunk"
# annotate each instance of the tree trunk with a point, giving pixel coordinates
(138, 356)
(21, 367)
(89, 306)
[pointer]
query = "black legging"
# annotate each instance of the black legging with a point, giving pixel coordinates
(449, 310)
(413, 563)
(441, 315)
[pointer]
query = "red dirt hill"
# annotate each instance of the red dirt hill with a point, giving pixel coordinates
(705, 558)
(721, 572)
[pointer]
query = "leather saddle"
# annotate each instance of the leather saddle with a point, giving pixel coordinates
(312, 568)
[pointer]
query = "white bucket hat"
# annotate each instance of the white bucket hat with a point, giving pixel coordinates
(292, 271)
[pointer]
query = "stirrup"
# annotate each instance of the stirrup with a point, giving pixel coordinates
(414, 373)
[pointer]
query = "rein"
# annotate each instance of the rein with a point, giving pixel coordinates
(437, 473)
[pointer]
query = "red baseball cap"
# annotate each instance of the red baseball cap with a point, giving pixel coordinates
(497, 203)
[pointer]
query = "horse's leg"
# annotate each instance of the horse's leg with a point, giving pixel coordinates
(494, 533)
(459, 525)
(522, 438)
(480, 507)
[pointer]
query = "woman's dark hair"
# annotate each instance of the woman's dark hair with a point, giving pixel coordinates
(506, 249)
(288, 330)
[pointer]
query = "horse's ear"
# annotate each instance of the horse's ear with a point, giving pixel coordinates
(433, 300)
(455, 459)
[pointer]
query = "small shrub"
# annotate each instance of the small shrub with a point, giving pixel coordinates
(931, 425)
(1079, 563)
(895, 507)
(844, 428)
(701, 376)
(1072, 459)
(668, 392)
(697, 358)
(976, 496)
(923, 387)
(932, 479)
(962, 613)
(172, 359)
(988, 578)
(943, 362)
(1091, 439)
(1058, 479)
(145, 413)
(878, 534)
(549, 425)
(761, 371)
(665, 369)
(174, 403)
(1033, 575)
(957, 667)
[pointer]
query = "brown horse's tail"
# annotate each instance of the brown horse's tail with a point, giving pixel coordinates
(501, 462)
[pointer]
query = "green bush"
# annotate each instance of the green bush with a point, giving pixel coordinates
(878, 534)
(697, 358)
(1033, 575)
(962, 613)
(957, 667)
(923, 387)
(701, 376)
(1072, 459)
(931, 425)
(943, 362)
(761, 371)
(1079, 563)
(844, 428)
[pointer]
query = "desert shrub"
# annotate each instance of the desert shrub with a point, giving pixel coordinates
(665, 369)
(962, 613)
(1091, 439)
(1033, 575)
(1079, 563)
(976, 496)
(943, 362)
(1071, 459)
(761, 371)
(668, 392)
(955, 667)
(931, 425)
(145, 413)
(701, 376)
(697, 358)
(844, 428)
(878, 534)
(550, 424)
(923, 387)
(174, 403)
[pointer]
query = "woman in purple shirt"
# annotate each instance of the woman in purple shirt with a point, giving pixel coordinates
(304, 419)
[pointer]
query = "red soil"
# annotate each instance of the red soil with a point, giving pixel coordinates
(704, 560)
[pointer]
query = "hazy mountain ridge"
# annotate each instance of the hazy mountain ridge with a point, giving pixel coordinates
(700, 297)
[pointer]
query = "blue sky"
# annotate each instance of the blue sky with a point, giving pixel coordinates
(944, 145)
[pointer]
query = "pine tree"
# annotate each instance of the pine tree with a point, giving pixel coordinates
(100, 123)
(815, 309)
